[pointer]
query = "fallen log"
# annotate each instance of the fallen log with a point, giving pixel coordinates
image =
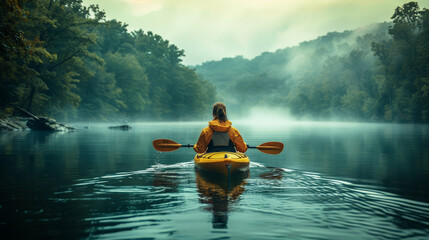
(122, 127)
(29, 114)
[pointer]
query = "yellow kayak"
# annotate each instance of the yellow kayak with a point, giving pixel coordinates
(225, 163)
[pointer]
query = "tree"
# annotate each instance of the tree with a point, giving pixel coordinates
(61, 29)
(405, 60)
(15, 54)
(132, 80)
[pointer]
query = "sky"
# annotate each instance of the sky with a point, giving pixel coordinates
(213, 29)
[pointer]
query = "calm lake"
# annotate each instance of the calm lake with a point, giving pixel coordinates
(333, 181)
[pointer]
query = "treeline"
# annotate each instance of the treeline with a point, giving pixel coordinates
(63, 59)
(374, 73)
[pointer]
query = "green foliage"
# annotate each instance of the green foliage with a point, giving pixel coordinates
(15, 54)
(132, 81)
(405, 61)
(320, 79)
(375, 73)
(64, 59)
(101, 97)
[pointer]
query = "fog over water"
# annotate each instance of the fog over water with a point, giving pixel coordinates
(109, 183)
(342, 85)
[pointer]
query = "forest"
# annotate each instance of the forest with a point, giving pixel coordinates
(375, 73)
(63, 59)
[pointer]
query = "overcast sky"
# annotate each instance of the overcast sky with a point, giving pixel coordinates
(213, 29)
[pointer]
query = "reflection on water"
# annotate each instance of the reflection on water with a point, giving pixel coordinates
(332, 182)
(219, 193)
(275, 173)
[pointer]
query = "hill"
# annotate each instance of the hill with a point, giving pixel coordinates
(291, 78)
(374, 73)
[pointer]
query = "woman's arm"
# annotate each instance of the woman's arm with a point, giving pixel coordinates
(203, 140)
(237, 139)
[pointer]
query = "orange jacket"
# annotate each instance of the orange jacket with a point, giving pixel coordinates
(218, 126)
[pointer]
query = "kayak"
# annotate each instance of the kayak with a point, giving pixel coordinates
(225, 163)
(222, 162)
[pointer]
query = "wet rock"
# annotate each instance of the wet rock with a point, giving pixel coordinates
(45, 123)
(12, 124)
(48, 124)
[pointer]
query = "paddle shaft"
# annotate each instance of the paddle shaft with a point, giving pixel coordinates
(265, 147)
(189, 146)
(167, 145)
(175, 145)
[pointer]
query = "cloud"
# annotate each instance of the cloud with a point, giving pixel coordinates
(213, 29)
(143, 7)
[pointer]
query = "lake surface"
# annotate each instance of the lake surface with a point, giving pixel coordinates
(333, 181)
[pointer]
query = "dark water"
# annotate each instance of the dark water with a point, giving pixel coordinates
(334, 181)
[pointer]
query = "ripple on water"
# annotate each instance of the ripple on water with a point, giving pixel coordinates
(327, 206)
(127, 204)
(164, 201)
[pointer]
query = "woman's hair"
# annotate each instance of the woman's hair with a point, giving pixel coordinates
(219, 112)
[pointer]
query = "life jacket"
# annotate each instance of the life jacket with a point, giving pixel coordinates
(220, 136)
(220, 142)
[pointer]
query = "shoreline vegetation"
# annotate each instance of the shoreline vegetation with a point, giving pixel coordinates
(65, 60)
(374, 73)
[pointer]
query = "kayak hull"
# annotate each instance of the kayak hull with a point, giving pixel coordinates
(225, 163)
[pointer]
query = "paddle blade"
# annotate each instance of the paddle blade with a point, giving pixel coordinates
(166, 145)
(271, 147)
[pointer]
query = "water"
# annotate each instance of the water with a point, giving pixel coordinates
(333, 181)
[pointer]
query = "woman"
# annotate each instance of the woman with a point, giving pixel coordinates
(220, 135)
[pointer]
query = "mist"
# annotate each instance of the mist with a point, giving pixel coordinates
(267, 116)
(112, 72)
(335, 77)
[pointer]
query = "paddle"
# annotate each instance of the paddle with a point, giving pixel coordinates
(269, 147)
(167, 145)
